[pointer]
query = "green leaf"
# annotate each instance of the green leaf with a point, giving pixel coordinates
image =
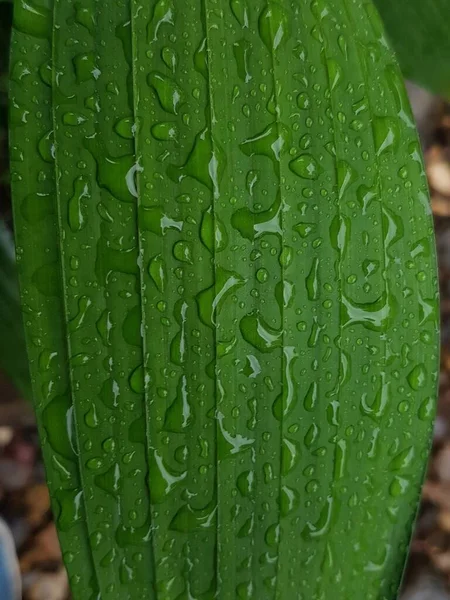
(13, 353)
(418, 30)
(228, 246)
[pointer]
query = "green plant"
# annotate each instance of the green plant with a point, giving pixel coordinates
(419, 34)
(226, 252)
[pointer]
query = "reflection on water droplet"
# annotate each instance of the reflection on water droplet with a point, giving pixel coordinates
(85, 67)
(163, 12)
(273, 26)
(183, 251)
(306, 166)
(165, 132)
(417, 378)
(32, 19)
(125, 128)
(205, 163)
(210, 301)
(179, 416)
(321, 527)
(386, 134)
(252, 225)
(240, 11)
(170, 58)
(242, 51)
(76, 212)
(168, 92)
(272, 142)
(259, 334)
(157, 271)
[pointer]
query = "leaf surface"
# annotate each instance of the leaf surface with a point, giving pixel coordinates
(236, 273)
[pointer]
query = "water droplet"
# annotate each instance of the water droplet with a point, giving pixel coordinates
(125, 128)
(212, 232)
(85, 67)
(76, 209)
(253, 225)
(242, 51)
(272, 142)
(46, 147)
(205, 163)
(154, 219)
(417, 378)
(245, 483)
(311, 397)
(334, 73)
(259, 334)
(170, 58)
(183, 251)
(240, 10)
(169, 93)
(321, 527)
(303, 101)
(312, 281)
(210, 301)
(163, 12)
(381, 401)
(179, 415)
(164, 479)
(306, 166)
(105, 326)
(386, 134)
(32, 19)
(289, 500)
(346, 176)
(290, 455)
(157, 271)
(137, 380)
(188, 519)
(273, 26)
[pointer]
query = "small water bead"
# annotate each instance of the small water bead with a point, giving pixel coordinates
(165, 132)
(94, 464)
(262, 275)
(170, 58)
(306, 166)
(303, 101)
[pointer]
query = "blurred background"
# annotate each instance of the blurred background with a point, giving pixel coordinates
(24, 499)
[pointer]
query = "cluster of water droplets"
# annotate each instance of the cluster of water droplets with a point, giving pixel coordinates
(248, 293)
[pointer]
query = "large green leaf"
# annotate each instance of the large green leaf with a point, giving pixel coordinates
(420, 34)
(13, 354)
(227, 249)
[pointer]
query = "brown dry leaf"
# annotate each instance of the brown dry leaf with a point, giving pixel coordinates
(438, 171)
(444, 520)
(442, 561)
(45, 548)
(440, 205)
(442, 463)
(37, 504)
(437, 493)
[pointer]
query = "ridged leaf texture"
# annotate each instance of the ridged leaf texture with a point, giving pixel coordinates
(226, 243)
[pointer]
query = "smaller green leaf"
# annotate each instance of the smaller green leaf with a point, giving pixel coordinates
(419, 32)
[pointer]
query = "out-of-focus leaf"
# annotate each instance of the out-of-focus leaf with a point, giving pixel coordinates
(13, 354)
(420, 34)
